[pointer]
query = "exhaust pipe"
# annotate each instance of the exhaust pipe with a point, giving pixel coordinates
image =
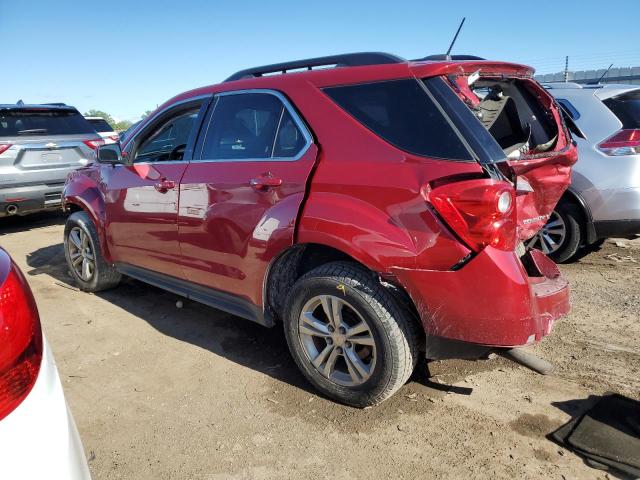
(12, 209)
(528, 360)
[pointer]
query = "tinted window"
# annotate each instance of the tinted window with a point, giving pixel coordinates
(244, 126)
(627, 108)
(42, 121)
(169, 139)
(402, 113)
(289, 141)
(101, 125)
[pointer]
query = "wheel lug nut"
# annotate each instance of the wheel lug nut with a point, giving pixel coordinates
(331, 329)
(339, 349)
(329, 341)
(342, 330)
(347, 344)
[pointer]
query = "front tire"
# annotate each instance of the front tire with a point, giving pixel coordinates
(84, 257)
(348, 335)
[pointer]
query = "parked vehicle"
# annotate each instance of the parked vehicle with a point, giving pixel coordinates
(38, 437)
(369, 207)
(106, 131)
(123, 135)
(39, 146)
(604, 197)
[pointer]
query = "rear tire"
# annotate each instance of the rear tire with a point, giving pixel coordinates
(562, 235)
(361, 356)
(84, 257)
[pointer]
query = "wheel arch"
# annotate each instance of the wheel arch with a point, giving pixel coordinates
(586, 221)
(88, 199)
(301, 258)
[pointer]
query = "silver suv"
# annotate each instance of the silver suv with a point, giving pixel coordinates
(604, 197)
(39, 146)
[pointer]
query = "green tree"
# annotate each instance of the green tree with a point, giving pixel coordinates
(100, 113)
(122, 125)
(146, 114)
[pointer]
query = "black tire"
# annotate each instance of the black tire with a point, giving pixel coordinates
(104, 276)
(569, 248)
(394, 331)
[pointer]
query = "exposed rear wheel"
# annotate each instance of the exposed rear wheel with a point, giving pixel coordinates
(348, 335)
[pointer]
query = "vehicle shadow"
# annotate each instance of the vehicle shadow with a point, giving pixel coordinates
(16, 224)
(241, 341)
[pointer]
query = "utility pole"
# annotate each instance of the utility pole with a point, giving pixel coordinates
(566, 68)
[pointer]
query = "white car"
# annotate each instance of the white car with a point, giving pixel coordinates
(104, 129)
(38, 437)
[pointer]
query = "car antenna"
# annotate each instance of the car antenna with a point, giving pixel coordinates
(447, 55)
(603, 75)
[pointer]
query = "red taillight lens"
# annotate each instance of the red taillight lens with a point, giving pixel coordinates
(93, 144)
(481, 212)
(115, 138)
(4, 147)
(20, 342)
(624, 142)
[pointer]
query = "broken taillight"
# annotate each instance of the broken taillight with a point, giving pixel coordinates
(481, 212)
(623, 142)
(4, 147)
(20, 341)
(93, 144)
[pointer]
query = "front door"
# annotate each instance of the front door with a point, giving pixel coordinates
(142, 197)
(240, 196)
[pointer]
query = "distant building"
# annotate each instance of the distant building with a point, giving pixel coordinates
(629, 75)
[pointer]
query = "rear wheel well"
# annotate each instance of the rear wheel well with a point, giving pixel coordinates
(586, 227)
(72, 208)
(300, 259)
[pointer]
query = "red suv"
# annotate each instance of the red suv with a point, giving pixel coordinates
(376, 207)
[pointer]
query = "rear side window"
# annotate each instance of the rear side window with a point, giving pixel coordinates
(403, 114)
(24, 122)
(100, 125)
(627, 108)
(251, 126)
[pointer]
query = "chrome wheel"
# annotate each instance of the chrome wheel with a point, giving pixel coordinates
(81, 254)
(337, 340)
(551, 237)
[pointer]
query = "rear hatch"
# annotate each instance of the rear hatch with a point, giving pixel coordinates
(515, 127)
(42, 144)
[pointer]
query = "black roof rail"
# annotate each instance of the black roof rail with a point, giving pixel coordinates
(445, 57)
(344, 60)
(56, 104)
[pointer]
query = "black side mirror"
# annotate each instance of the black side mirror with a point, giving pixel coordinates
(110, 153)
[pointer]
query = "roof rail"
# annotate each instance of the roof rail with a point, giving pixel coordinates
(344, 60)
(56, 104)
(445, 57)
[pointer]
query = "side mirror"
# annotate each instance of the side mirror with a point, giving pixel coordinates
(110, 153)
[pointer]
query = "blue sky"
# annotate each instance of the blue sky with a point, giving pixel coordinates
(127, 57)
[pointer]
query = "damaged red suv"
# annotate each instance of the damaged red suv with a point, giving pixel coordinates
(373, 206)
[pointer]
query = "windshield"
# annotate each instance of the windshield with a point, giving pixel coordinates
(42, 121)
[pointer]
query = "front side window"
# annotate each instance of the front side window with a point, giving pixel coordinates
(401, 112)
(168, 140)
(251, 126)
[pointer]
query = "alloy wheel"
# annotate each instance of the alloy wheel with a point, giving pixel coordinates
(551, 236)
(337, 340)
(81, 254)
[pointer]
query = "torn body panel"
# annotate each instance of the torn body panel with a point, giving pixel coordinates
(527, 124)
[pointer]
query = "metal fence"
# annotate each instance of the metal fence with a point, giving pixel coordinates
(628, 75)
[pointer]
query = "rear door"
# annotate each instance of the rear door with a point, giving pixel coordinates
(141, 198)
(240, 197)
(513, 120)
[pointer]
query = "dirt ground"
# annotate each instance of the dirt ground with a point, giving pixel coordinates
(165, 393)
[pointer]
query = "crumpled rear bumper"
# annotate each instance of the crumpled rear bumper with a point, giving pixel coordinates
(491, 301)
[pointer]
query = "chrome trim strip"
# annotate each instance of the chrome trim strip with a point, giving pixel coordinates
(294, 115)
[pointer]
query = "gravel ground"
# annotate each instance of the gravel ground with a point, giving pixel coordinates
(193, 393)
